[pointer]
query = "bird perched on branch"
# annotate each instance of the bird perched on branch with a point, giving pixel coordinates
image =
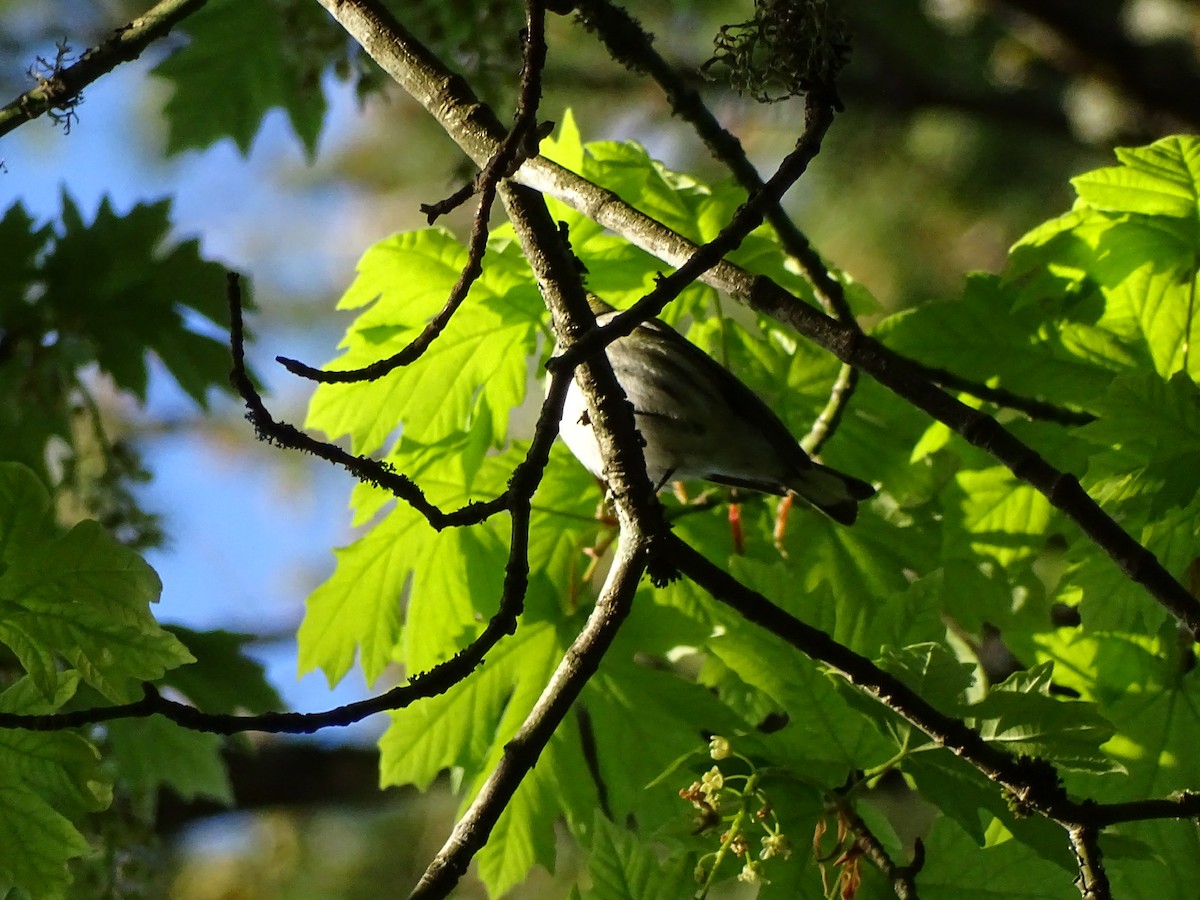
(699, 421)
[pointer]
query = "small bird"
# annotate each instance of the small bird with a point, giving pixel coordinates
(698, 421)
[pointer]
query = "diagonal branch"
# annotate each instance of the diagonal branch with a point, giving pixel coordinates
(365, 469)
(63, 88)
(579, 663)
(630, 44)
(1031, 781)
(818, 116)
(1035, 409)
(1093, 880)
(902, 878)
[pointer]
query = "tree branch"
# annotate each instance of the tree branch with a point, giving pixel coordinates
(365, 469)
(1035, 409)
(630, 44)
(1162, 77)
(63, 88)
(1185, 805)
(1031, 781)
(818, 116)
(1093, 880)
(581, 661)
(903, 878)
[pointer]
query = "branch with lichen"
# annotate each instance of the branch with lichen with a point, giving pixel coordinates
(60, 84)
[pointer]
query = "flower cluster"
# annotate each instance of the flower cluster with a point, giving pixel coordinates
(738, 800)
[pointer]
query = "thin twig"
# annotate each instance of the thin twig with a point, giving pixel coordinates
(826, 423)
(818, 116)
(1032, 407)
(903, 878)
(1184, 805)
(630, 44)
(365, 469)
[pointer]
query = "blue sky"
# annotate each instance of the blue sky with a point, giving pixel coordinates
(249, 532)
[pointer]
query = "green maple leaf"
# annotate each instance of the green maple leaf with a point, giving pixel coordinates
(474, 371)
(245, 58)
(47, 779)
(77, 596)
(116, 294)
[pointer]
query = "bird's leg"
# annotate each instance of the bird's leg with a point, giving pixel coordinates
(680, 492)
(596, 553)
(781, 517)
(663, 481)
(735, 525)
(604, 539)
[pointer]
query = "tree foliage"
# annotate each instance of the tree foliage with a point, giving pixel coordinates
(983, 635)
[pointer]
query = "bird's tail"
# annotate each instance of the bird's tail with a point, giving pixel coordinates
(832, 492)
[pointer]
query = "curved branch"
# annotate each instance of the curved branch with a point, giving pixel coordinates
(437, 680)
(365, 469)
(526, 478)
(827, 421)
(63, 88)
(519, 144)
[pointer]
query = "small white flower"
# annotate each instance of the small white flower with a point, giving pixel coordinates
(719, 747)
(775, 845)
(712, 781)
(752, 874)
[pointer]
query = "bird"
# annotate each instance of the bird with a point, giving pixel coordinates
(698, 421)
